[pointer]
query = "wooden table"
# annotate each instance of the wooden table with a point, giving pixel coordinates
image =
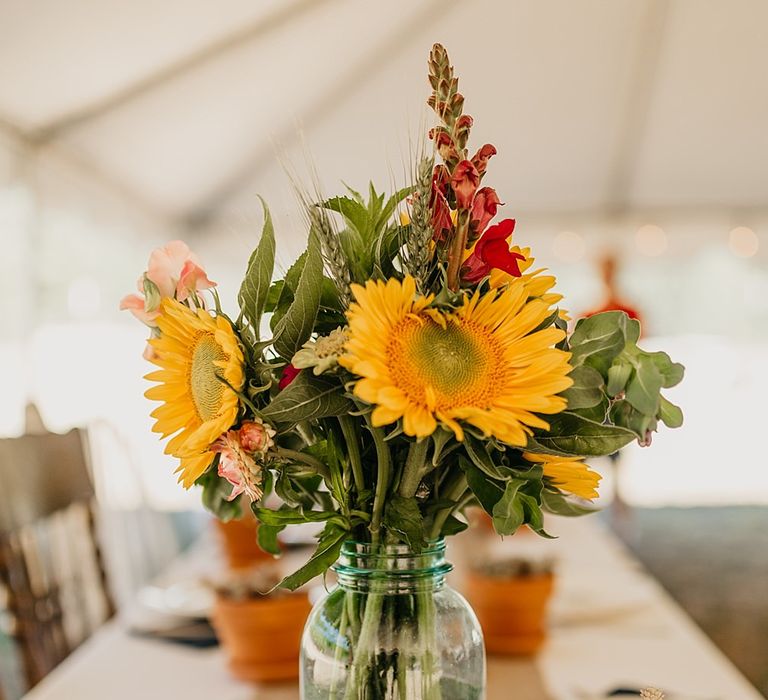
(599, 640)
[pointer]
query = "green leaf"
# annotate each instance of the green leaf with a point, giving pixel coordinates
(534, 518)
(598, 339)
(625, 415)
(391, 205)
(632, 331)
(618, 376)
(267, 538)
(402, 515)
(670, 414)
(644, 387)
(486, 490)
(354, 213)
(285, 517)
(295, 326)
(587, 389)
(558, 504)
(453, 526)
(258, 277)
(327, 552)
(440, 437)
(307, 398)
(671, 372)
(595, 413)
(508, 513)
(216, 493)
(478, 453)
(572, 434)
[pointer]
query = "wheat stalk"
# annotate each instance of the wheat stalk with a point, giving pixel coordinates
(333, 255)
(420, 234)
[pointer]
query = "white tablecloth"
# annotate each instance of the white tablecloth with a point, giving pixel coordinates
(611, 625)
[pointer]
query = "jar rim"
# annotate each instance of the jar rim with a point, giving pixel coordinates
(436, 546)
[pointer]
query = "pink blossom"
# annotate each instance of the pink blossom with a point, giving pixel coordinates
(191, 280)
(137, 306)
(238, 467)
(168, 268)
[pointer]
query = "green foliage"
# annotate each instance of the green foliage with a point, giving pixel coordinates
(370, 240)
(508, 512)
(572, 434)
(307, 398)
(296, 324)
(587, 390)
(216, 492)
(327, 552)
(403, 517)
(614, 377)
(557, 503)
(258, 277)
(267, 538)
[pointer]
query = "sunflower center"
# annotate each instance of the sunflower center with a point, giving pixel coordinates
(460, 363)
(204, 386)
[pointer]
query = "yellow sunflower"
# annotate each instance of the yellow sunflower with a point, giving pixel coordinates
(194, 352)
(568, 474)
(483, 363)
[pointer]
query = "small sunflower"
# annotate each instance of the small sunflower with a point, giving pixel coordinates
(194, 351)
(568, 474)
(483, 363)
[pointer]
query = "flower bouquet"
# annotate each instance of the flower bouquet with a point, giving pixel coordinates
(412, 363)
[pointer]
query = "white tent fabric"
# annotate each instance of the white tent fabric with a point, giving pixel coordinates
(595, 106)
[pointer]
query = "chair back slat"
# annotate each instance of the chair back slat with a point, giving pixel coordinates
(51, 565)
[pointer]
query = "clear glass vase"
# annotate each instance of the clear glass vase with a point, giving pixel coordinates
(392, 629)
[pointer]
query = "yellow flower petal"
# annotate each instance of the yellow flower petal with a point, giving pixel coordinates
(196, 351)
(484, 363)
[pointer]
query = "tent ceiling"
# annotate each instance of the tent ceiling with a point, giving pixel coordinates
(593, 105)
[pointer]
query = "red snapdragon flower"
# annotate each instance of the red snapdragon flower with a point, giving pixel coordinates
(481, 158)
(492, 253)
(289, 374)
(465, 181)
(484, 208)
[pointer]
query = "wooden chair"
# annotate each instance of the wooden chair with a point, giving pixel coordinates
(51, 566)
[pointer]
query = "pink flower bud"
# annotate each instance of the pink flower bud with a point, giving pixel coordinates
(255, 437)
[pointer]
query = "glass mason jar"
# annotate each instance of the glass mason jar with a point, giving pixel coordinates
(392, 629)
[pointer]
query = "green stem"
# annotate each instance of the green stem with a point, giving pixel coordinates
(349, 429)
(309, 460)
(454, 492)
(413, 469)
(456, 252)
(382, 479)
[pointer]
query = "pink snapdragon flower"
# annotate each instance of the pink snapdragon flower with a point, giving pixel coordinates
(173, 271)
(176, 270)
(137, 305)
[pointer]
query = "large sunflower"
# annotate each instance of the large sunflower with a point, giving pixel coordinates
(195, 351)
(483, 363)
(568, 474)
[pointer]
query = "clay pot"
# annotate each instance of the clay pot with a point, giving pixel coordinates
(512, 611)
(238, 539)
(262, 636)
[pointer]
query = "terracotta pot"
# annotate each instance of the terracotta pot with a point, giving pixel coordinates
(262, 636)
(238, 539)
(512, 611)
